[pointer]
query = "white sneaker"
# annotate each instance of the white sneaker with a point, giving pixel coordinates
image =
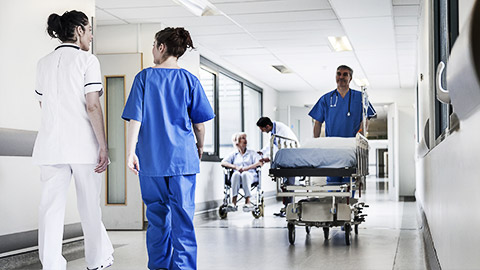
(248, 207)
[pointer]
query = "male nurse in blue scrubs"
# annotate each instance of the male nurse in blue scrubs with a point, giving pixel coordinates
(341, 110)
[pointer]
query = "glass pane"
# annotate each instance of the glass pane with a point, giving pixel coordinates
(230, 113)
(115, 100)
(207, 79)
(252, 105)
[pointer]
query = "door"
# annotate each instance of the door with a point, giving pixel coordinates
(122, 205)
(300, 122)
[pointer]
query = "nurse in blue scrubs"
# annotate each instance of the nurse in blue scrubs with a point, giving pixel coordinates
(341, 110)
(166, 109)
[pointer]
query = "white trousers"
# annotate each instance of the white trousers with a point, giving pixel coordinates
(55, 182)
(246, 178)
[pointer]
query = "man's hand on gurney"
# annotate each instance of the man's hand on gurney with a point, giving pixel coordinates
(263, 160)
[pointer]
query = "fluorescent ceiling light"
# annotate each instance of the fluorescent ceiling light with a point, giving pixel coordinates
(282, 69)
(199, 7)
(361, 82)
(340, 44)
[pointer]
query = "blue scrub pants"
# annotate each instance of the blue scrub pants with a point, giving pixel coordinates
(170, 201)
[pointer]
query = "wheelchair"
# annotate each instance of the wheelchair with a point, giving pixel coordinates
(256, 190)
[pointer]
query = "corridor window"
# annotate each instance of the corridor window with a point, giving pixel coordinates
(446, 32)
(237, 104)
(230, 108)
(207, 79)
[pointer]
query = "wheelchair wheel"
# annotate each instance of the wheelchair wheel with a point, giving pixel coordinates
(291, 233)
(258, 212)
(308, 229)
(326, 232)
(348, 229)
(222, 211)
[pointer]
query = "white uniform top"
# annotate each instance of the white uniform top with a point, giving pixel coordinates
(64, 77)
(283, 130)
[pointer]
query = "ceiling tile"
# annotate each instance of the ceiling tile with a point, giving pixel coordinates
(150, 12)
(370, 33)
(406, 21)
(294, 26)
(293, 16)
(132, 4)
(406, 30)
(257, 7)
(406, 2)
(405, 11)
(361, 9)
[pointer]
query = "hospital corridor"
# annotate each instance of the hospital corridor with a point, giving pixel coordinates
(239, 134)
(391, 239)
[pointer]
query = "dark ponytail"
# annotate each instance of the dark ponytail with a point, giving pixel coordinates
(177, 40)
(63, 27)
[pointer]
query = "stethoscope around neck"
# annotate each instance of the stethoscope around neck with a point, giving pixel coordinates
(333, 105)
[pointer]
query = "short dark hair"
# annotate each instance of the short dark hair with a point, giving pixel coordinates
(177, 40)
(346, 67)
(63, 27)
(264, 121)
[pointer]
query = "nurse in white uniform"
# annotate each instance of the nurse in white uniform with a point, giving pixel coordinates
(71, 141)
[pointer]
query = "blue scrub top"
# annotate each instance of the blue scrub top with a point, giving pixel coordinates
(167, 102)
(332, 109)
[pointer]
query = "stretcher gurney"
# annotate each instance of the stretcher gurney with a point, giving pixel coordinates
(328, 205)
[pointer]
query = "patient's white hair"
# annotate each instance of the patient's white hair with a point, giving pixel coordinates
(236, 136)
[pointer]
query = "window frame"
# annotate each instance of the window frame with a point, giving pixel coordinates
(445, 32)
(216, 70)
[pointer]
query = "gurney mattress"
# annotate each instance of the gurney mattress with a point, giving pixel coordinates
(319, 153)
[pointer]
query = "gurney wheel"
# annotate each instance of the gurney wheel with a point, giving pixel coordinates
(348, 229)
(222, 212)
(308, 229)
(258, 212)
(291, 233)
(356, 228)
(326, 232)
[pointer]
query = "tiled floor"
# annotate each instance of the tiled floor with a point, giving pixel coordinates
(389, 239)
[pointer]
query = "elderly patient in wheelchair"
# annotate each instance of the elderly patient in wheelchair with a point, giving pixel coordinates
(243, 162)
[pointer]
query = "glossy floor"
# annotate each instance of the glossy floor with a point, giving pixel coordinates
(389, 239)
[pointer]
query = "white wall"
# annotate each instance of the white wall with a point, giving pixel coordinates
(24, 42)
(139, 38)
(447, 176)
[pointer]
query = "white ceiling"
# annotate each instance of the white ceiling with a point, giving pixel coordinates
(256, 34)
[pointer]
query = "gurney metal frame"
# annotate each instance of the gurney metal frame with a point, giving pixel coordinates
(342, 210)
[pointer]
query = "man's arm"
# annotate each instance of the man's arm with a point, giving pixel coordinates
(95, 114)
(132, 137)
(317, 128)
(199, 130)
